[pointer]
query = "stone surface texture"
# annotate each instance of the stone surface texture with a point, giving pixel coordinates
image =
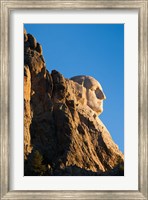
(94, 94)
(62, 133)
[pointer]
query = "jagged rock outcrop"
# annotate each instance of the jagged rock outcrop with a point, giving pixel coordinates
(62, 134)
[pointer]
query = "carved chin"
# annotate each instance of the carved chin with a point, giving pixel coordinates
(100, 110)
(96, 106)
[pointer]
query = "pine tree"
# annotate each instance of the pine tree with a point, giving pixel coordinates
(37, 165)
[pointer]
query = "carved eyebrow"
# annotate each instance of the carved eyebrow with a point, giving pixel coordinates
(93, 88)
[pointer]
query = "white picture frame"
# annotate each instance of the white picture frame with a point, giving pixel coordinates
(7, 6)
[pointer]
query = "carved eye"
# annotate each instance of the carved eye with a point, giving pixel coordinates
(93, 88)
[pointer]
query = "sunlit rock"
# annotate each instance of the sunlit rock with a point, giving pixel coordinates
(94, 93)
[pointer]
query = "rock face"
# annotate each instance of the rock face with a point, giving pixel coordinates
(93, 94)
(62, 134)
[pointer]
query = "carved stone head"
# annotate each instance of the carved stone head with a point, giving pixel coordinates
(94, 92)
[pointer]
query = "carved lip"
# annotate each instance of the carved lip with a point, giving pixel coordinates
(100, 102)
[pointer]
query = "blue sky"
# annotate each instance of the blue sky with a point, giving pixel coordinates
(96, 50)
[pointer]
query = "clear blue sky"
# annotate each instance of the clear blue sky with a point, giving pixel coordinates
(96, 50)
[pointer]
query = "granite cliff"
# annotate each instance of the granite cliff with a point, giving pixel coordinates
(62, 133)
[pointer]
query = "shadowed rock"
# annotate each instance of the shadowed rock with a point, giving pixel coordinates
(32, 41)
(39, 48)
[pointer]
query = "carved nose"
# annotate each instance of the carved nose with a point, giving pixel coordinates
(102, 96)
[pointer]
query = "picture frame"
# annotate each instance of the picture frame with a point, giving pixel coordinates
(6, 7)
